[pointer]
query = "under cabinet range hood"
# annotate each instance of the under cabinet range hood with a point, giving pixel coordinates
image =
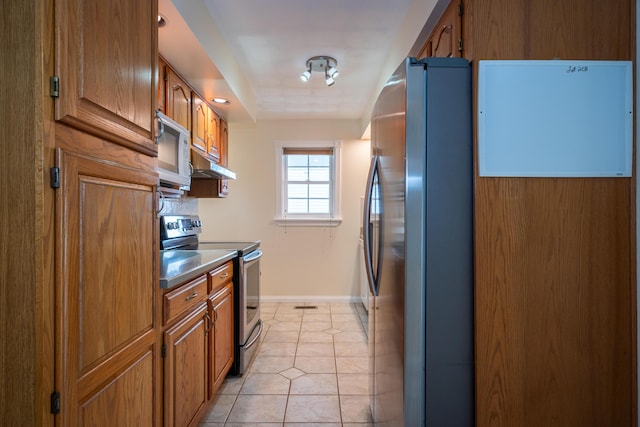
(205, 168)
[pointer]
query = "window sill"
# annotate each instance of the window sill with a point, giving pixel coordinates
(308, 222)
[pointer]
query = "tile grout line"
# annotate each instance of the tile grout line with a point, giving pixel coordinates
(335, 363)
(296, 356)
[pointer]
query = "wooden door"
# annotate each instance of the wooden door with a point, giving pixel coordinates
(178, 99)
(185, 369)
(221, 340)
(555, 258)
(106, 65)
(199, 132)
(213, 131)
(107, 348)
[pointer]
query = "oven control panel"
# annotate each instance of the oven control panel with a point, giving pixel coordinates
(179, 226)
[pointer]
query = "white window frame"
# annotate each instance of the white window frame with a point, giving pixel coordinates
(283, 218)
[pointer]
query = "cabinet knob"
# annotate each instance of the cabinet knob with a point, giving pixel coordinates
(192, 296)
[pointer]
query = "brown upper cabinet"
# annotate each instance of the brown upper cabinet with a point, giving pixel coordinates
(199, 134)
(178, 98)
(162, 86)
(106, 69)
(223, 184)
(224, 143)
(216, 188)
(446, 38)
(205, 131)
(213, 127)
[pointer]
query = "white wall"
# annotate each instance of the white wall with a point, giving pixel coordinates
(306, 263)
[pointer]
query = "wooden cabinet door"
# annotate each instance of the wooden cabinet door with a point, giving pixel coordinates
(200, 116)
(106, 65)
(224, 143)
(107, 361)
(185, 369)
(213, 146)
(178, 99)
(162, 86)
(223, 184)
(221, 340)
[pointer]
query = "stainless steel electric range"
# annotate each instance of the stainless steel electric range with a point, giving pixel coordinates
(180, 232)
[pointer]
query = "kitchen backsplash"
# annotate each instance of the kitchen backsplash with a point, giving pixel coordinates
(183, 206)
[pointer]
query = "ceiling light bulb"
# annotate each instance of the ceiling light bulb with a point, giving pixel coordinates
(221, 101)
(333, 72)
(305, 76)
(329, 80)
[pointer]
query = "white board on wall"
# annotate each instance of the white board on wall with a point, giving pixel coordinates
(555, 118)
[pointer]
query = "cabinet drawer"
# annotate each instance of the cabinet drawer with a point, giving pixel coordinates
(220, 276)
(184, 297)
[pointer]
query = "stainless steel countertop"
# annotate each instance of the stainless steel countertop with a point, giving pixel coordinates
(180, 266)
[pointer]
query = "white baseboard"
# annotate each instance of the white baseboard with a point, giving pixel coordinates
(279, 298)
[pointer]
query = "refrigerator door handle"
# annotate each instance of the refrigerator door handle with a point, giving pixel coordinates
(367, 226)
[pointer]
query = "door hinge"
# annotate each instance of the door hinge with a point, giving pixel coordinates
(54, 86)
(459, 45)
(55, 403)
(164, 350)
(54, 177)
(460, 9)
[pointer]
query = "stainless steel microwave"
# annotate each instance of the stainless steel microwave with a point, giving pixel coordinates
(174, 166)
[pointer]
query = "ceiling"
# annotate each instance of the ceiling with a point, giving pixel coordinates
(253, 52)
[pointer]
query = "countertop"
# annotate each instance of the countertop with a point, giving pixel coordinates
(180, 266)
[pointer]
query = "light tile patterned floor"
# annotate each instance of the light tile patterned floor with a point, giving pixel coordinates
(310, 371)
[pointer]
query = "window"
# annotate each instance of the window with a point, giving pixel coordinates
(308, 183)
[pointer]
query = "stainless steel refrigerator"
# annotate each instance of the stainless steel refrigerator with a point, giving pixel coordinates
(418, 244)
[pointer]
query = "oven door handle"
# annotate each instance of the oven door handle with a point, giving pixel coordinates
(253, 341)
(253, 255)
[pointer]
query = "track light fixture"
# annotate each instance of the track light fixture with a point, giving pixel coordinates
(324, 64)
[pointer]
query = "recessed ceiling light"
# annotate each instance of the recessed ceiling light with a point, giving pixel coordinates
(220, 101)
(161, 21)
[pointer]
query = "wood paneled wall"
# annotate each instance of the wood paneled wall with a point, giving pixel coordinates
(555, 258)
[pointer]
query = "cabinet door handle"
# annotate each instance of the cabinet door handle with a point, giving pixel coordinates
(224, 275)
(215, 315)
(208, 319)
(161, 206)
(192, 296)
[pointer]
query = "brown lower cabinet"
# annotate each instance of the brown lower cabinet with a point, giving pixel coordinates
(185, 368)
(221, 338)
(198, 344)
